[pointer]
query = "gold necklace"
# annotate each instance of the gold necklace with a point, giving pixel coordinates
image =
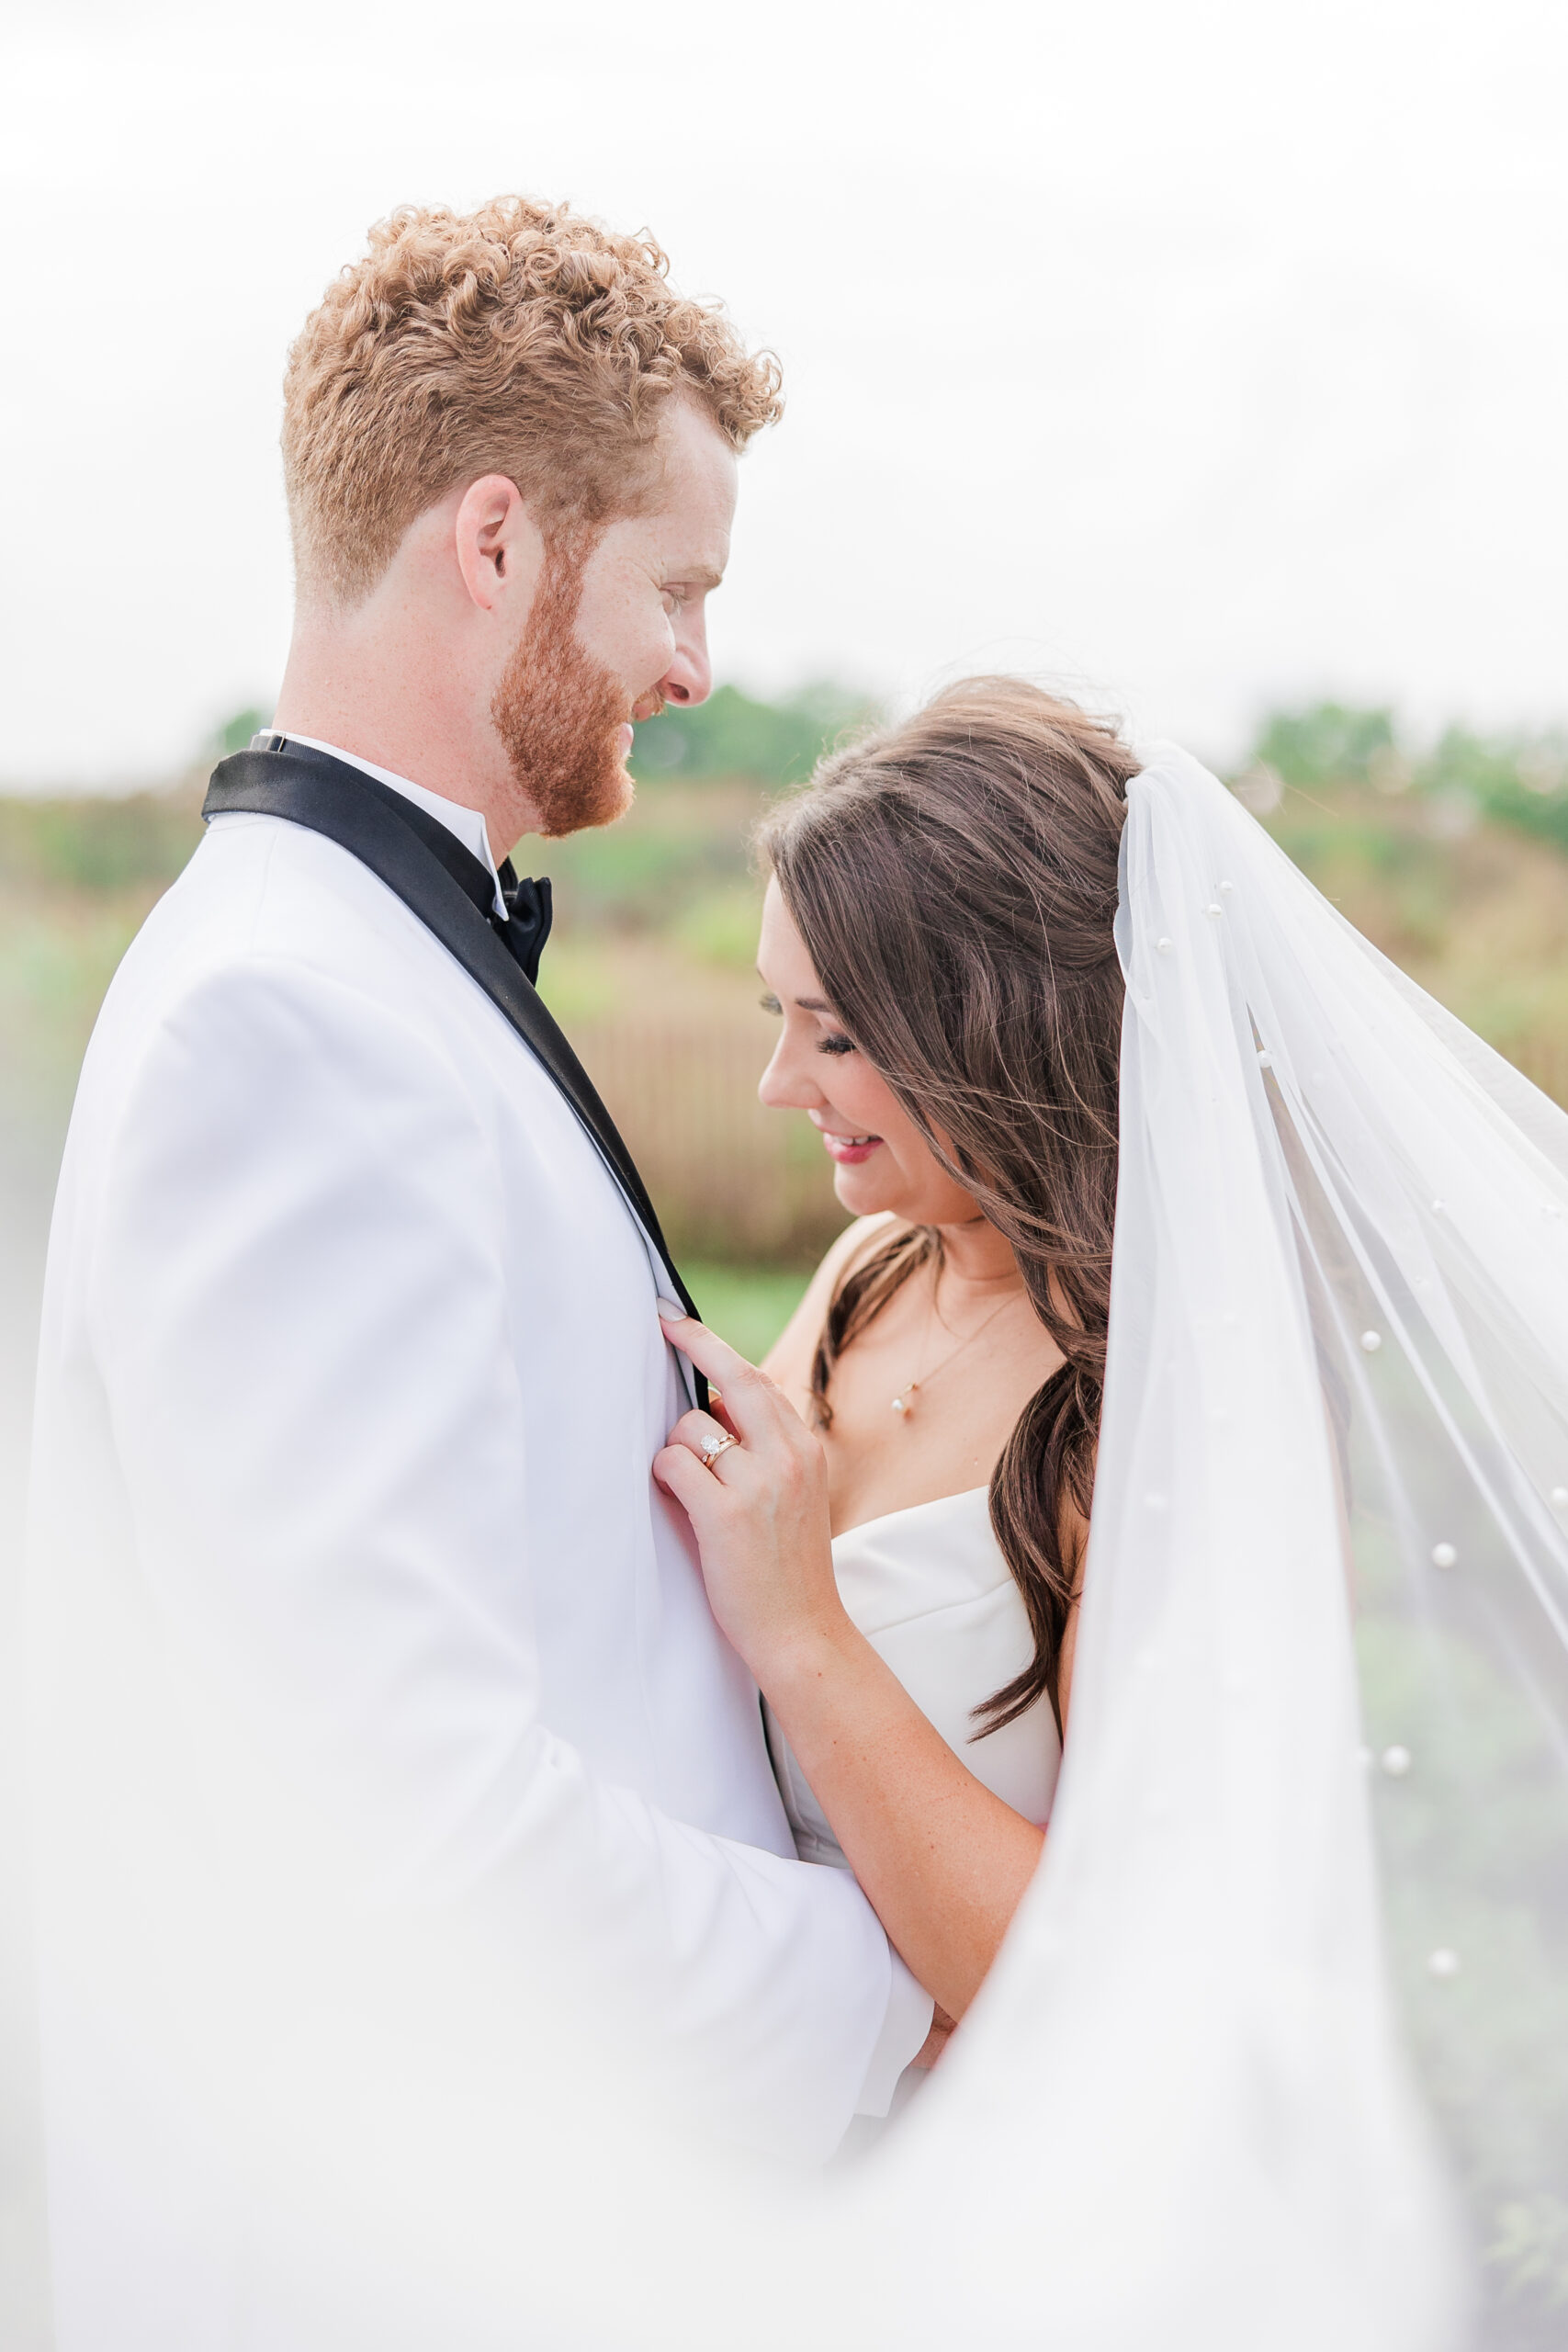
(903, 1404)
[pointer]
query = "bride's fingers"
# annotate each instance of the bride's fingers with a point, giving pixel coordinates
(705, 1435)
(750, 1396)
(680, 1473)
(721, 1411)
(707, 1351)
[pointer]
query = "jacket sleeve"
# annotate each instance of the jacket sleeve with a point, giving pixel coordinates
(299, 1317)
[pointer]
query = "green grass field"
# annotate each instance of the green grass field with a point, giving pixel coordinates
(748, 1306)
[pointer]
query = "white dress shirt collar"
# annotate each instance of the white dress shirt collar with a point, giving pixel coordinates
(467, 824)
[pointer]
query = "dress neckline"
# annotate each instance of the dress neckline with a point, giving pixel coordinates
(907, 1510)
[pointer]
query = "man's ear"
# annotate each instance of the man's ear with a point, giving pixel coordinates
(500, 548)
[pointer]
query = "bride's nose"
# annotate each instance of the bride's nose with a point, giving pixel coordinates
(787, 1083)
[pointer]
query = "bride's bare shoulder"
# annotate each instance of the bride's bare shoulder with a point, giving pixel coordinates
(789, 1360)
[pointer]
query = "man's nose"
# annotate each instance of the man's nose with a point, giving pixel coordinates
(689, 678)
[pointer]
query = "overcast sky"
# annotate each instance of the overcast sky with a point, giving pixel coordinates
(1200, 354)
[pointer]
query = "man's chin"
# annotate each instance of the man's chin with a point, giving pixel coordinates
(625, 789)
(605, 803)
(616, 803)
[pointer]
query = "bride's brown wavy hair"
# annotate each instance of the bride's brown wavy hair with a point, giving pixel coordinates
(954, 879)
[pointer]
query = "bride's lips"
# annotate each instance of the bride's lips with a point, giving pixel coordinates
(850, 1150)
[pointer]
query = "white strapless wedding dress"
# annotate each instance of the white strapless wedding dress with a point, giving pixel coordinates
(930, 1589)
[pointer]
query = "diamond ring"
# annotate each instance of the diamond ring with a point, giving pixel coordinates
(712, 1447)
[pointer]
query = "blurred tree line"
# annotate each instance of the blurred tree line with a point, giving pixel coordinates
(733, 734)
(1335, 783)
(1521, 779)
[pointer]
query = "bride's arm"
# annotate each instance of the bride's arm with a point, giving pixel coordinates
(943, 1861)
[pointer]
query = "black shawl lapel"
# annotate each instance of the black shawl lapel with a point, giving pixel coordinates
(309, 787)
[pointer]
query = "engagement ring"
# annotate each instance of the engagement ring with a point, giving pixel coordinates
(711, 1448)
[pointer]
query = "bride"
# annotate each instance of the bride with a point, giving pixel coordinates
(959, 889)
(1298, 1470)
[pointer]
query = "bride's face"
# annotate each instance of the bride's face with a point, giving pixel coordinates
(881, 1160)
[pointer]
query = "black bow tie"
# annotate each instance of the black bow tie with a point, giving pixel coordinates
(525, 925)
(529, 914)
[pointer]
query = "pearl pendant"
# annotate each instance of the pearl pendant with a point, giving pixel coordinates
(904, 1403)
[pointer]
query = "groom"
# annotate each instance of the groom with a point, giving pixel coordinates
(375, 1679)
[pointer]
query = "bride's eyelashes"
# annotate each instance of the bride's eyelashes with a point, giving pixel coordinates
(836, 1043)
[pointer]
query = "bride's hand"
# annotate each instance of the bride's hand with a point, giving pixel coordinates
(760, 1512)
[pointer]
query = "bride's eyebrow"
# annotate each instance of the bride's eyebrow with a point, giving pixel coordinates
(806, 1003)
(802, 1006)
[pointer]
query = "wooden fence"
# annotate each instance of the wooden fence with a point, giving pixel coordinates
(1544, 1061)
(731, 1181)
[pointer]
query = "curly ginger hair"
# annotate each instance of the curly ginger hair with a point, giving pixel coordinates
(521, 339)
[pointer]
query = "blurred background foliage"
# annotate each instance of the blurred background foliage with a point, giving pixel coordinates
(732, 734)
(1453, 857)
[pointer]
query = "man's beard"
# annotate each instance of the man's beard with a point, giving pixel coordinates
(559, 712)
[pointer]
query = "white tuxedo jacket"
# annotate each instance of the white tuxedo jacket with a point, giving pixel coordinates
(363, 1634)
